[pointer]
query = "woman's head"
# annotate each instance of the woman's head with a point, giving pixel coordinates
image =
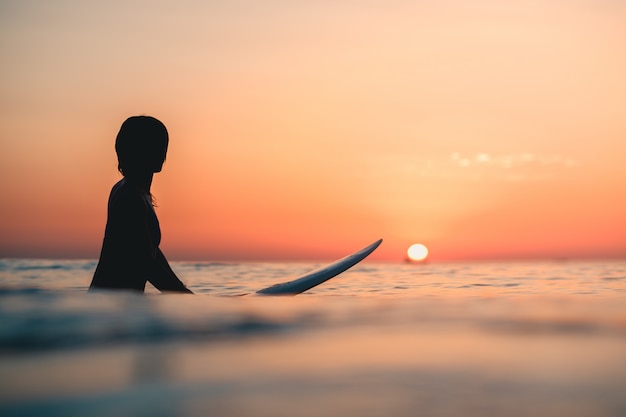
(141, 146)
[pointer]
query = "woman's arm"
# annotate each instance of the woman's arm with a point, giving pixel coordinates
(141, 236)
(163, 277)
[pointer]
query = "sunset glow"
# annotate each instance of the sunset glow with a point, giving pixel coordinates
(304, 130)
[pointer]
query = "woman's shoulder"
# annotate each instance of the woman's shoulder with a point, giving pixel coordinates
(125, 195)
(122, 190)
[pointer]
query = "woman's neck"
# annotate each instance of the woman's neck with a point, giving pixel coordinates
(141, 181)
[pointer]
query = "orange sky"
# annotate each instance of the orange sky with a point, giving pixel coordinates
(304, 130)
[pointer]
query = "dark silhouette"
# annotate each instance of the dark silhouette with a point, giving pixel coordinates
(130, 253)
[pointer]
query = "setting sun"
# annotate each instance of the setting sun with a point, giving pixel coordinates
(417, 252)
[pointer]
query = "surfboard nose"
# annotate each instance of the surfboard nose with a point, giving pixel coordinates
(320, 275)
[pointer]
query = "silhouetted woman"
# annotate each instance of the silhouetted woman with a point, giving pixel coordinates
(130, 253)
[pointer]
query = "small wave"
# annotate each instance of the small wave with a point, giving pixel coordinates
(207, 265)
(34, 332)
(41, 267)
(24, 265)
(365, 269)
(21, 291)
(613, 278)
(546, 327)
(37, 320)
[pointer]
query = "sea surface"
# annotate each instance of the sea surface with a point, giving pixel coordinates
(474, 339)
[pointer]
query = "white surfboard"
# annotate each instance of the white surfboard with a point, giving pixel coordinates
(318, 276)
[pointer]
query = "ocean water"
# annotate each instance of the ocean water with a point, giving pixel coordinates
(475, 339)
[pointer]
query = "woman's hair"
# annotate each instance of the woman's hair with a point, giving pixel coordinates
(141, 144)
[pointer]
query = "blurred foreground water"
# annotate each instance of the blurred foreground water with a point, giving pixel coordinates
(501, 339)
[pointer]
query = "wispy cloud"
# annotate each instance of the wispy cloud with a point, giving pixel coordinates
(511, 161)
(514, 167)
